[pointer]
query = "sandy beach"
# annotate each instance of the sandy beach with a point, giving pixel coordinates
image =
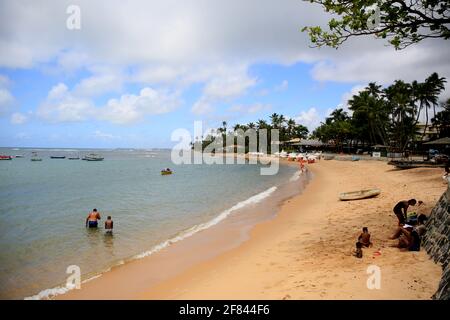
(305, 252)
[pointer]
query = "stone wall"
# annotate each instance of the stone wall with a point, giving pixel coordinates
(437, 242)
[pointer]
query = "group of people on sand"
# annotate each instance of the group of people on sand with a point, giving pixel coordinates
(411, 227)
(409, 233)
(93, 218)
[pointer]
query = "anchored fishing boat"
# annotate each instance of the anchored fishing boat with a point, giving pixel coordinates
(34, 157)
(93, 157)
(5, 157)
(360, 194)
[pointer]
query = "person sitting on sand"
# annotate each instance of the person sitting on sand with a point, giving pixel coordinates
(420, 227)
(92, 219)
(404, 237)
(364, 238)
(401, 210)
(109, 224)
(358, 251)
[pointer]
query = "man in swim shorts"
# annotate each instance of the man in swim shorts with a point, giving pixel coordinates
(401, 210)
(92, 219)
(109, 224)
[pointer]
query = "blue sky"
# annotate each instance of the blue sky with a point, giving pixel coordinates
(134, 72)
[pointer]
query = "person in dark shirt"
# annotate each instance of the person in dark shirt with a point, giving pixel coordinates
(401, 210)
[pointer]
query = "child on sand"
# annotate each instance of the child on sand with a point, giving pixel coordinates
(364, 238)
(109, 224)
(358, 251)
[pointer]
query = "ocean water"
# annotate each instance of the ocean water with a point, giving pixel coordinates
(43, 207)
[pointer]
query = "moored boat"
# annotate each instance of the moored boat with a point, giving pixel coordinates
(5, 157)
(35, 157)
(93, 157)
(57, 157)
(360, 194)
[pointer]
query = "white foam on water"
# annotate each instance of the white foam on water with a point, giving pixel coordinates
(296, 176)
(53, 292)
(197, 228)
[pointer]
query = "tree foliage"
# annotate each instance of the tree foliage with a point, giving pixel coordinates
(387, 116)
(401, 22)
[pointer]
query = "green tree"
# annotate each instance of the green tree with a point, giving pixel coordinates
(441, 121)
(401, 22)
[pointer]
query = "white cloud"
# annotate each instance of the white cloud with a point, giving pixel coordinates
(130, 108)
(228, 87)
(99, 84)
(310, 118)
(201, 107)
(6, 101)
(62, 106)
(6, 98)
(226, 84)
(18, 118)
(282, 86)
(184, 42)
(347, 96)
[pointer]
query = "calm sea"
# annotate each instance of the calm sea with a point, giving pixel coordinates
(43, 206)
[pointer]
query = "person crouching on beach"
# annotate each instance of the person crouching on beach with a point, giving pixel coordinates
(364, 238)
(92, 219)
(401, 210)
(109, 224)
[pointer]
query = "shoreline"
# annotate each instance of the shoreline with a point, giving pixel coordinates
(303, 252)
(228, 230)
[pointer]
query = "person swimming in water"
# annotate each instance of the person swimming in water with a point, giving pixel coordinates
(109, 224)
(92, 219)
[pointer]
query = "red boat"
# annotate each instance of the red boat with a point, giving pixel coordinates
(5, 158)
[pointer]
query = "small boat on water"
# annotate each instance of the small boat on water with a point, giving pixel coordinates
(19, 156)
(57, 157)
(361, 194)
(74, 158)
(166, 171)
(34, 157)
(5, 157)
(93, 157)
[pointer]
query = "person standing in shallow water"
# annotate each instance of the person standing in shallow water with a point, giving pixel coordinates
(92, 219)
(109, 224)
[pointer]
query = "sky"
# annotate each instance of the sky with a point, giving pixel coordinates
(135, 71)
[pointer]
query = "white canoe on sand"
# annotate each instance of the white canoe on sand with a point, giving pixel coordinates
(361, 194)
